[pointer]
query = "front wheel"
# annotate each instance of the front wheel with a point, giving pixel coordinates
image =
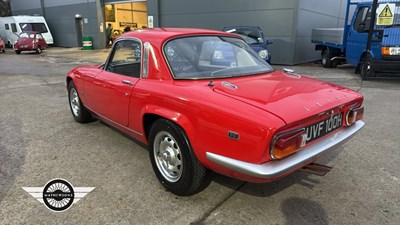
(367, 69)
(79, 112)
(39, 50)
(17, 52)
(173, 160)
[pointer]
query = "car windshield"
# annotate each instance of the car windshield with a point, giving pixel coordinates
(248, 39)
(26, 35)
(205, 57)
(253, 34)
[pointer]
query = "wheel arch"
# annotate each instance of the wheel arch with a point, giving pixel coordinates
(68, 80)
(152, 114)
(363, 54)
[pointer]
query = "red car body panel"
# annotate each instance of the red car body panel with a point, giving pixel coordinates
(261, 106)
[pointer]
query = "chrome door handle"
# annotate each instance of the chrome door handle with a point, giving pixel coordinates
(126, 82)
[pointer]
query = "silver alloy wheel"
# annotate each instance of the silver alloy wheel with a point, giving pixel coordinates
(168, 156)
(74, 101)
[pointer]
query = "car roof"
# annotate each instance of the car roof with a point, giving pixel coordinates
(163, 34)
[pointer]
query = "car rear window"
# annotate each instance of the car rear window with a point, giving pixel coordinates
(204, 57)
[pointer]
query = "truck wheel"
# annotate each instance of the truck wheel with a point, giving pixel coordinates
(367, 70)
(173, 160)
(326, 59)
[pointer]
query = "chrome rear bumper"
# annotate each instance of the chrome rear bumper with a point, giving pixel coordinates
(274, 169)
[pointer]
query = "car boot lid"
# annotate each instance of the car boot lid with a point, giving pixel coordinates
(286, 95)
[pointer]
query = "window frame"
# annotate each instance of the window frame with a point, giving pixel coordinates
(361, 18)
(112, 54)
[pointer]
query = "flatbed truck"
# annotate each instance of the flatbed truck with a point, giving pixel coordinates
(371, 42)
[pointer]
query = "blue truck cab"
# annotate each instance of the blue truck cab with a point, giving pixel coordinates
(254, 37)
(349, 44)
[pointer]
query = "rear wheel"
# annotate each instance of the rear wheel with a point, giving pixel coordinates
(367, 70)
(327, 61)
(79, 112)
(39, 50)
(173, 160)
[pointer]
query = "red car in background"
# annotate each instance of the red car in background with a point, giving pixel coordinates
(204, 101)
(2, 45)
(30, 41)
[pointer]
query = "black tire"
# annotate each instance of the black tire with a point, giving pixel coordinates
(366, 68)
(3, 50)
(17, 52)
(174, 161)
(78, 110)
(39, 50)
(326, 56)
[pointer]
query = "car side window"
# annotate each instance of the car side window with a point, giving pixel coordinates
(363, 20)
(126, 58)
(7, 26)
(38, 37)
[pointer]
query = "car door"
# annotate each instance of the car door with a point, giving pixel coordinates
(40, 40)
(358, 34)
(109, 92)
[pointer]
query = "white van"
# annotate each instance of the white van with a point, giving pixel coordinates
(12, 26)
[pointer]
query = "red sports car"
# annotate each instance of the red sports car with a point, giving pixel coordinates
(2, 45)
(204, 101)
(30, 41)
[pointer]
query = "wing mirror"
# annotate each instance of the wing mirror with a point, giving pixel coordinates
(269, 41)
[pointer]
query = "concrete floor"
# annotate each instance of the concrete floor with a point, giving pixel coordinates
(39, 141)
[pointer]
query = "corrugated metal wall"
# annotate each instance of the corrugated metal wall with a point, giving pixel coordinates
(287, 22)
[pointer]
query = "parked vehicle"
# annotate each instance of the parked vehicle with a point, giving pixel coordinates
(12, 26)
(204, 101)
(30, 41)
(350, 44)
(2, 45)
(253, 36)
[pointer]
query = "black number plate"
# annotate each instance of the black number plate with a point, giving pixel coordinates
(324, 127)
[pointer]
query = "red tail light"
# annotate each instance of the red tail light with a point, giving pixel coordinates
(288, 143)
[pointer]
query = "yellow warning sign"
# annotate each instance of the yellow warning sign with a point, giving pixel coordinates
(385, 14)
